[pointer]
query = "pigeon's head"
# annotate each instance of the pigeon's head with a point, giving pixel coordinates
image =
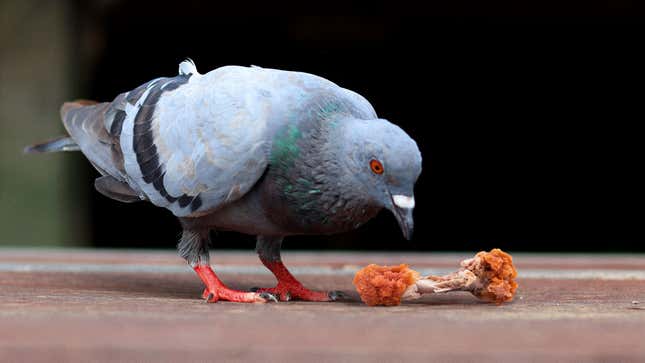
(386, 163)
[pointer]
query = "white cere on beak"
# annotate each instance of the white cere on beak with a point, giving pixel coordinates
(403, 201)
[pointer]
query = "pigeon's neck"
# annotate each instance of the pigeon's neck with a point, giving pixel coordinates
(308, 186)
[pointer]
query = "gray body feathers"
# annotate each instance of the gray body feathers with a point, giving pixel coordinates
(255, 150)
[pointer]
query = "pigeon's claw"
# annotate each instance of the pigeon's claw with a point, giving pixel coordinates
(288, 288)
(268, 297)
(216, 290)
(237, 296)
(338, 296)
(295, 291)
(209, 297)
(274, 291)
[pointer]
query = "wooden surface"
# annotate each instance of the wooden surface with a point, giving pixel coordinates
(82, 305)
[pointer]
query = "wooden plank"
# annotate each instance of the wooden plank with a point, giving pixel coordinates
(114, 315)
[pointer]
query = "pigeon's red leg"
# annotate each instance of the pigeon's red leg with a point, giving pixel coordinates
(193, 247)
(288, 287)
(216, 290)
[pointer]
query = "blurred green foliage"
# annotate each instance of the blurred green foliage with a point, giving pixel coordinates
(37, 203)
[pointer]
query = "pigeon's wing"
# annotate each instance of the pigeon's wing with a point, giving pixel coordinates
(195, 142)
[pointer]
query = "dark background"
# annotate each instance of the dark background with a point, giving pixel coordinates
(529, 133)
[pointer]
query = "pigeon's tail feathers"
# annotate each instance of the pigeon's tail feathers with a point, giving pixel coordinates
(62, 143)
(85, 124)
(68, 106)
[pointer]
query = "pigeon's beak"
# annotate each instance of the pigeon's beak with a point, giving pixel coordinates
(402, 207)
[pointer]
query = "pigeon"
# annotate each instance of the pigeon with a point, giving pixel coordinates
(260, 151)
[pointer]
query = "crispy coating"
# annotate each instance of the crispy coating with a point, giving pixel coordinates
(496, 275)
(384, 285)
(490, 276)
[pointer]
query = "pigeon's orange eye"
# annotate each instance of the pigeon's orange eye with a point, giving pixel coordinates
(376, 166)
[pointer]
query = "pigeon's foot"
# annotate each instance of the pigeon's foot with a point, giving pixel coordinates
(227, 294)
(288, 288)
(216, 290)
(295, 291)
